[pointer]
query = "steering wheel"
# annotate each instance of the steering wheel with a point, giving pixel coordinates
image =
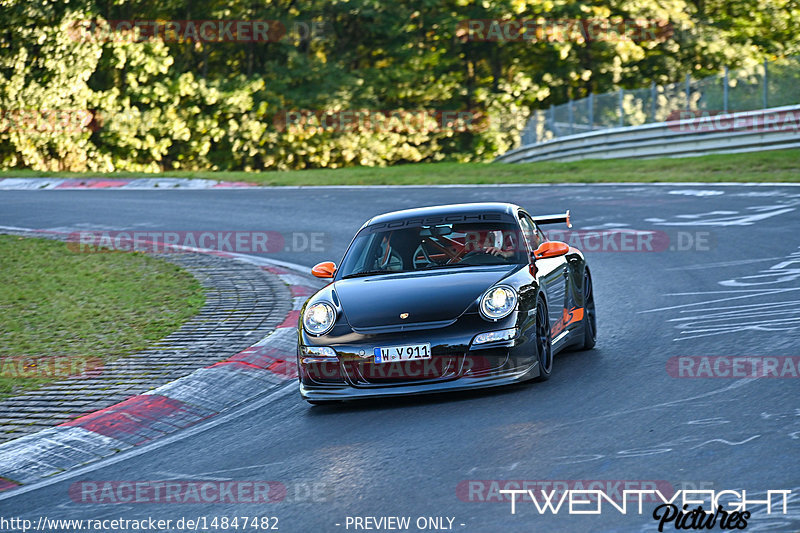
(474, 253)
(486, 258)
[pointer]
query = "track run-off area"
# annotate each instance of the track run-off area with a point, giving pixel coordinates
(695, 285)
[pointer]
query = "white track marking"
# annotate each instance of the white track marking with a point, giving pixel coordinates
(716, 421)
(146, 448)
(762, 292)
(724, 264)
(696, 192)
(726, 218)
(735, 385)
(177, 475)
(723, 441)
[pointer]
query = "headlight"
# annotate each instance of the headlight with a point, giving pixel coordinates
(319, 318)
(494, 336)
(498, 302)
(321, 351)
(317, 354)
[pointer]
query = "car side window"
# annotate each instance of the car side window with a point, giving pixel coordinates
(542, 236)
(530, 232)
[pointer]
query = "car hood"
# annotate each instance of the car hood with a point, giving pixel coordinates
(433, 296)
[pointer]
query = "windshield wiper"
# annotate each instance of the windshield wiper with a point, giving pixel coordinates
(370, 273)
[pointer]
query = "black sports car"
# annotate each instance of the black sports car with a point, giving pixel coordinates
(444, 298)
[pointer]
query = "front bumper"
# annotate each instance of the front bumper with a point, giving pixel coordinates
(456, 363)
(347, 392)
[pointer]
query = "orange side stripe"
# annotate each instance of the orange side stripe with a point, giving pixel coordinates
(569, 317)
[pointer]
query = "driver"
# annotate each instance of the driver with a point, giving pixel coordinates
(497, 248)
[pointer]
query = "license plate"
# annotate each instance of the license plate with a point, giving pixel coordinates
(409, 352)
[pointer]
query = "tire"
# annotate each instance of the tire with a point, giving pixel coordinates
(544, 346)
(589, 314)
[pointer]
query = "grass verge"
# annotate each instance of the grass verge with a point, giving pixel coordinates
(62, 312)
(772, 166)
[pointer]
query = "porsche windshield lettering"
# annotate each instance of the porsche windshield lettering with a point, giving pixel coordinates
(443, 219)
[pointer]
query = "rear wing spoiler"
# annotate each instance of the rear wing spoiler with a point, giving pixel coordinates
(553, 219)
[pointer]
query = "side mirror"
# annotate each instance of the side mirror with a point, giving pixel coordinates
(324, 270)
(551, 249)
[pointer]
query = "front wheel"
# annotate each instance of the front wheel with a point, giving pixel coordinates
(589, 316)
(544, 347)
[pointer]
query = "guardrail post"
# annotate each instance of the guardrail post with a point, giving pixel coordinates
(766, 84)
(621, 110)
(653, 96)
(525, 137)
(590, 103)
(725, 91)
(688, 91)
(571, 117)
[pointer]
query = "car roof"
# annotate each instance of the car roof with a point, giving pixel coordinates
(448, 209)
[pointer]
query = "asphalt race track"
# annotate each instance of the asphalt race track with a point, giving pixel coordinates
(723, 281)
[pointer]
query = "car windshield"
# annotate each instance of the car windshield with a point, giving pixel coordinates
(382, 250)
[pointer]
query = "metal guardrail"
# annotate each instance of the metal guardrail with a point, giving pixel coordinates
(692, 135)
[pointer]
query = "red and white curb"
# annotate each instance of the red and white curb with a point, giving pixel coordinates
(262, 368)
(35, 184)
